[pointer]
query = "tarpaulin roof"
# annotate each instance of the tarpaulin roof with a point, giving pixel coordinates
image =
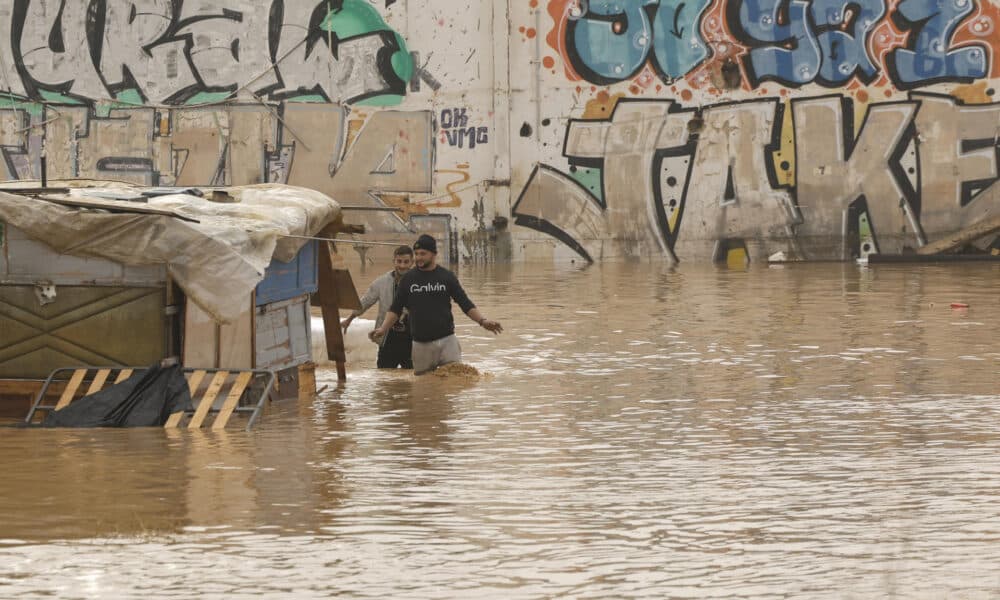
(216, 252)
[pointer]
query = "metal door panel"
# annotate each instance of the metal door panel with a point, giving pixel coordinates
(284, 334)
(84, 325)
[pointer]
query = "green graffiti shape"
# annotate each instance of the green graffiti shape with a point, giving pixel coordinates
(355, 17)
(358, 17)
(590, 179)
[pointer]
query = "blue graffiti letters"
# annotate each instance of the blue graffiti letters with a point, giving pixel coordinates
(677, 43)
(927, 58)
(843, 53)
(784, 47)
(827, 41)
(611, 42)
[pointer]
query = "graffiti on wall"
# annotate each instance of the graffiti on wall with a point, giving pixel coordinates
(155, 92)
(456, 131)
(808, 177)
(169, 52)
(905, 43)
(392, 152)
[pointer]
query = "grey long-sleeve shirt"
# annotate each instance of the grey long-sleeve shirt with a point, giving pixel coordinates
(382, 291)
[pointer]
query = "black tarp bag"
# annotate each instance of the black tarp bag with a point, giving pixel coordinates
(146, 399)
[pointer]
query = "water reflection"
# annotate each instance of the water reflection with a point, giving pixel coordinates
(645, 431)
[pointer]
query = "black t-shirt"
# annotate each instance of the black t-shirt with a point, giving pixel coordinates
(428, 296)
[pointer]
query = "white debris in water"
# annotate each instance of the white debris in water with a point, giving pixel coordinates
(360, 350)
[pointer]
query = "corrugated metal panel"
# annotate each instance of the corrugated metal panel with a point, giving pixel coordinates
(284, 334)
(289, 280)
(26, 260)
(83, 325)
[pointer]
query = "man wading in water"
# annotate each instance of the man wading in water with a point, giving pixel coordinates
(427, 292)
(394, 349)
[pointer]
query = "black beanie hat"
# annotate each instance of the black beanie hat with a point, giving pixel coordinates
(426, 242)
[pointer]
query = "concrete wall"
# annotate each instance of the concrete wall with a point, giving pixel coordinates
(547, 129)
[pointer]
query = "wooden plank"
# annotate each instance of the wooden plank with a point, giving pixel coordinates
(98, 383)
(328, 296)
(174, 420)
(194, 381)
(236, 339)
(209, 344)
(231, 400)
(123, 375)
(347, 293)
(960, 238)
(208, 399)
(71, 387)
(201, 337)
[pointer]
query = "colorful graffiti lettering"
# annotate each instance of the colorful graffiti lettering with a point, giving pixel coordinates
(612, 42)
(930, 56)
(167, 52)
(800, 42)
(870, 185)
(906, 43)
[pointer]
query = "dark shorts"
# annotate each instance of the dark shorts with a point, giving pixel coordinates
(396, 351)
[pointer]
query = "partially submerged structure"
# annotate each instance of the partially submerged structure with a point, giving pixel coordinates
(99, 274)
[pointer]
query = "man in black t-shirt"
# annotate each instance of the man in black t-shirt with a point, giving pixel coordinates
(427, 292)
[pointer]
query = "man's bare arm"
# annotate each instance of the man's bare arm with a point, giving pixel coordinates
(485, 323)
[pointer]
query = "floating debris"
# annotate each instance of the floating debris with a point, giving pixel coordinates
(459, 370)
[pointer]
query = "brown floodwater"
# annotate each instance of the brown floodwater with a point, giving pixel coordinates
(819, 431)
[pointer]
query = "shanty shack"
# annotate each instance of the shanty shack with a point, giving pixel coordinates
(117, 275)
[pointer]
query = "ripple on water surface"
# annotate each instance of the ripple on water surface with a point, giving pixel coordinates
(812, 431)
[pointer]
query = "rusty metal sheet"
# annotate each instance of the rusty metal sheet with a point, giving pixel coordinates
(284, 334)
(82, 325)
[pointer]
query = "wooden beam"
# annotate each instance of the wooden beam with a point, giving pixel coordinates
(328, 298)
(71, 387)
(194, 381)
(208, 400)
(339, 226)
(98, 383)
(960, 238)
(232, 400)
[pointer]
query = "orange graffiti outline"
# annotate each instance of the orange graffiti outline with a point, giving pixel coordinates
(456, 200)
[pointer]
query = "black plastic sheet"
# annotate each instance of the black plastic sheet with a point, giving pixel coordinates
(146, 399)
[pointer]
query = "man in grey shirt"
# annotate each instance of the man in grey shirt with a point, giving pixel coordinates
(426, 293)
(395, 347)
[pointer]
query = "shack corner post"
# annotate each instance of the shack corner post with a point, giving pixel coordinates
(336, 291)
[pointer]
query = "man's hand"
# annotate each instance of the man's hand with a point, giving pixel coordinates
(493, 326)
(376, 334)
(346, 323)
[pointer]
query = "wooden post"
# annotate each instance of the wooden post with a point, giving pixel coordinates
(307, 381)
(330, 305)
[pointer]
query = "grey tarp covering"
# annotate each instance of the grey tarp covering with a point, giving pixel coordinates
(217, 261)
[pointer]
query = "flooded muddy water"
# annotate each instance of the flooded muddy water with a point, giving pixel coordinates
(814, 431)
